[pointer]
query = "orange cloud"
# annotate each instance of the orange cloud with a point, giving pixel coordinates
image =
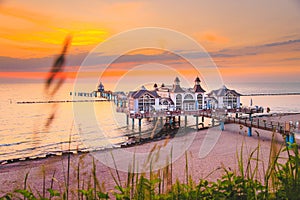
(35, 75)
(212, 37)
(36, 31)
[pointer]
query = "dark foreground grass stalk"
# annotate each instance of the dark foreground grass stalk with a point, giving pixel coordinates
(51, 185)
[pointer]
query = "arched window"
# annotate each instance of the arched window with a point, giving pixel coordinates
(230, 100)
(188, 97)
(189, 102)
(165, 102)
(178, 101)
(145, 102)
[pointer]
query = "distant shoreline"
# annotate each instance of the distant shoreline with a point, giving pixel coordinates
(101, 100)
(272, 94)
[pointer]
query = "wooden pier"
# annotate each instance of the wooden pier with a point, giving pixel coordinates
(217, 116)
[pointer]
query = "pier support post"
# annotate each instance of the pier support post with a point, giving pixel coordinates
(222, 125)
(185, 121)
(132, 123)
(197, 123)
(213, 122)
(140, 122)
(127, 120)
(178, 120)
(202, 119)
(249, 131)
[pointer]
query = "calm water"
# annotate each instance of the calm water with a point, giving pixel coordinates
(24, 133)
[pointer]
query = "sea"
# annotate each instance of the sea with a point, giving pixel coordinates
(33, 130)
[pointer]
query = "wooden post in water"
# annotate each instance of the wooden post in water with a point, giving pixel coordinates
(185, 121)
(179, 120)
(197, 123)
(127, 120)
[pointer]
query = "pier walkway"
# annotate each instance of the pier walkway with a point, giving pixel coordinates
(221, 117)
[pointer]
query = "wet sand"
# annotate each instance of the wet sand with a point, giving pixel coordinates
(223, 154)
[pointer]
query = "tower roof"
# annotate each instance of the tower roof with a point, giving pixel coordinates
(177, 89)
(198, 89)
(197, 86)
(223, 91)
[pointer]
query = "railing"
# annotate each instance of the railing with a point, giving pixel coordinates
(220, 114)
(280, 127)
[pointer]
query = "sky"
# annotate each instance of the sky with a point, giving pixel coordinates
(249, 41)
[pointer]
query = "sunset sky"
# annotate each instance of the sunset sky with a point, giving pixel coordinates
(249, 40)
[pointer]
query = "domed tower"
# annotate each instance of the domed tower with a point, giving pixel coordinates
(155, 86)
(199, 94)
(100, 87)
(176, 87)
(197, 86)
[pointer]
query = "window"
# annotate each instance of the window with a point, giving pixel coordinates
(145, 103)
(188, 97)
(165, 102)
(200, 101)
(189, 106)
(230, 100)
(178, 101)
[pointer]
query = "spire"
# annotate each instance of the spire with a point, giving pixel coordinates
(155, 86)
(176, 86)
(197, 81)
(143, 88)
(176, 81)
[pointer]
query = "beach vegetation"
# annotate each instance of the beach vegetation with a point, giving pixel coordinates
(281, 180)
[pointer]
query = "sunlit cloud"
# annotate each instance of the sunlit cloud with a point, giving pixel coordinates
(212, 37)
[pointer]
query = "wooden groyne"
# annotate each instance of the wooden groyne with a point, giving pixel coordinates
(62, 101)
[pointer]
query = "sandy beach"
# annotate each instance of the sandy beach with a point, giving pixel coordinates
(224, 154)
